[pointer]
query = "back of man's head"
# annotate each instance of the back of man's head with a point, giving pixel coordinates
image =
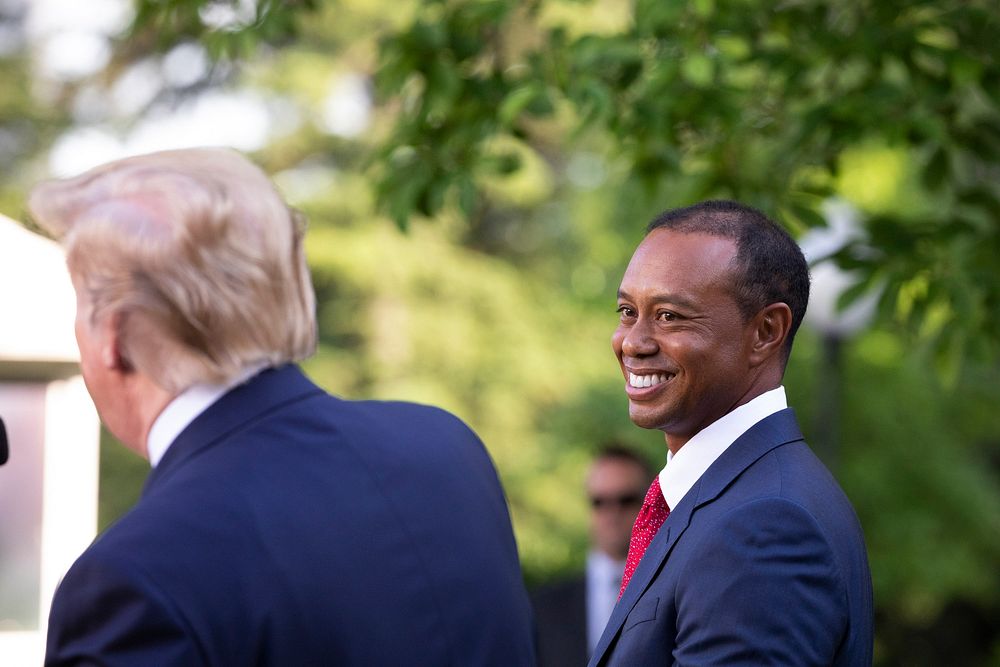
(196, 254)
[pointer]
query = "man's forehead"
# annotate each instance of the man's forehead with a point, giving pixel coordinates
(681, 258)
(614, 468)
(666, 242)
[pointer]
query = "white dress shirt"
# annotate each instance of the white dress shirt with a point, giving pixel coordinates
(691, 461)
(183, 410)
(604, 579)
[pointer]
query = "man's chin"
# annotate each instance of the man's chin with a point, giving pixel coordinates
(645, 418)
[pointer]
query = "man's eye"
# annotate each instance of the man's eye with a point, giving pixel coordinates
(666, 316)
(626, 311)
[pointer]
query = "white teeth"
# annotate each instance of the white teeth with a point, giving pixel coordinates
(642, 381)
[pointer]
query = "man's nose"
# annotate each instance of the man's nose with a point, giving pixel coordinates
(638, 341)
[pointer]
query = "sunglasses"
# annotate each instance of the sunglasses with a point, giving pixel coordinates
(620, 502)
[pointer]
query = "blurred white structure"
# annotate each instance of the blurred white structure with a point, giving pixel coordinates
(829, 281)
(48, 488)
(834, 324)
(347, 109)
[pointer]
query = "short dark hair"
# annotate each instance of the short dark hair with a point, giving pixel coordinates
(623, 453)
(769, 266)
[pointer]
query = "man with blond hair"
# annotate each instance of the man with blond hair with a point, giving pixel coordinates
(279, 525)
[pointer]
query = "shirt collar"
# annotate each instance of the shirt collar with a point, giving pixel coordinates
(183, 410)
(691, 461)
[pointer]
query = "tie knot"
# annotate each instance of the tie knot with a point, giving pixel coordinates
(654, 496)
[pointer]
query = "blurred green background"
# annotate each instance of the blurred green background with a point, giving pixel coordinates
(477, 173)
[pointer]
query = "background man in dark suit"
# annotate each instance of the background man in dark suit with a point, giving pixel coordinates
(279, 525)
(746, 551)
(571, 614)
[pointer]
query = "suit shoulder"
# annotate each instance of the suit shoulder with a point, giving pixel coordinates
(794, 473)
(404, 408)
(389, 414)
(805, 480)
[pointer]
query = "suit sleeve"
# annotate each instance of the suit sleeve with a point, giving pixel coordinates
(106, 613)
(762, 588)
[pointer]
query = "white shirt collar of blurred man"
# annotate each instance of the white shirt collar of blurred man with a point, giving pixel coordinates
(687, 466)
(183, 410)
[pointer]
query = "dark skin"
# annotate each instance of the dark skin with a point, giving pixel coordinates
(682, 339)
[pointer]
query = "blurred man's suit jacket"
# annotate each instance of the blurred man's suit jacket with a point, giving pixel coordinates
(762, 562)
(561, 619)
(288, 527)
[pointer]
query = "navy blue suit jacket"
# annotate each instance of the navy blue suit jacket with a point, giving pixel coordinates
(288, 527)
(762, 563)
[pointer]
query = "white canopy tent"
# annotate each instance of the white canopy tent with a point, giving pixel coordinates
(48, 488)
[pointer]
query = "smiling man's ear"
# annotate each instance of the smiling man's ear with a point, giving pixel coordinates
(770, 329)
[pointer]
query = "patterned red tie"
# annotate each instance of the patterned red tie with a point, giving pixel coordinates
(652, 515)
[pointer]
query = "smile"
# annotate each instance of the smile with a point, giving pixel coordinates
(650, 380)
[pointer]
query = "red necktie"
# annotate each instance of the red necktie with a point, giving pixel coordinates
(652, 515)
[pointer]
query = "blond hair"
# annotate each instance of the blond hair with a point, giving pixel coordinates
(197, 254)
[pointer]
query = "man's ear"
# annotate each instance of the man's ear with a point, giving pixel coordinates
(112, 354)
(769, 329)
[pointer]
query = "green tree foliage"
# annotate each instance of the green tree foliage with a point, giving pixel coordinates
(236, 30)
(756, 100)
(29, 121)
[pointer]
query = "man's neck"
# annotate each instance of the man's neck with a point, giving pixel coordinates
(142, 402)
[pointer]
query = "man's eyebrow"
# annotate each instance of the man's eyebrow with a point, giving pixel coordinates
(666, 297)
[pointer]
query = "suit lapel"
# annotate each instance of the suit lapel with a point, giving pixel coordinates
(773, 431)
(242, 404)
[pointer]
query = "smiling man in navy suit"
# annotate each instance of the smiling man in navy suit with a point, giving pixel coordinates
(279, 525)
(746, 551)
